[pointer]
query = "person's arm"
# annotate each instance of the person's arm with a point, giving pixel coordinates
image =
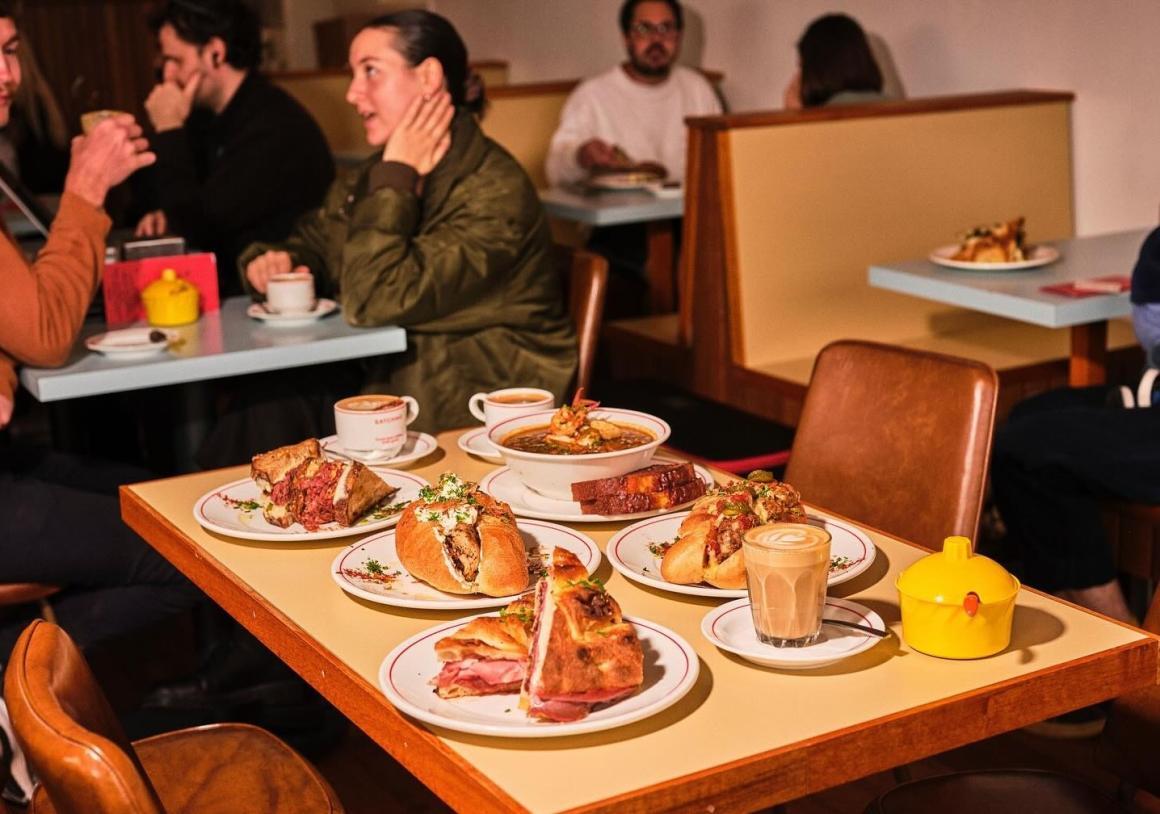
(577, 126)
(390, 275)
(44, 304)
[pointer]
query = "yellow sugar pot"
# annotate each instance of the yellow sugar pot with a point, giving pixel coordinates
(170, 300)
(957, 604)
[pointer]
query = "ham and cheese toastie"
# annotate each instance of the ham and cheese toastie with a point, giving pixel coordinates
(583, 653)
(488, 655)
(300, 486)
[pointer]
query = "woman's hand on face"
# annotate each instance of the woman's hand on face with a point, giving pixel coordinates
(264, 266)
(423, 136)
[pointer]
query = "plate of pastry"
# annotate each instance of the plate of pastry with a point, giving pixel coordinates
(562, 663)
(295, 494)
(997, 247)
(698, 552)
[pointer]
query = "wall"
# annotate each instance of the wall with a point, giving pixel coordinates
(1104, 52)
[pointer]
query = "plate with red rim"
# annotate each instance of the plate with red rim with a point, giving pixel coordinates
(503, 484)
(390, 584)
(730, 627)
(475, 442)
(234, 510)
(671, 667)
(1036, 256)
(636, 553)
(418, 445)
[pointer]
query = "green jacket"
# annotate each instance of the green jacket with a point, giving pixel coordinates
(465, 266)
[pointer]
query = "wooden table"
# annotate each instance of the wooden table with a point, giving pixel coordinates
(1018, 294)
(744, 738)
(630, 206)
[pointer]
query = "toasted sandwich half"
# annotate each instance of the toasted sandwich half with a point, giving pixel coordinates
(318, 491)
(488, 655)
(583, 652)
(268, 468)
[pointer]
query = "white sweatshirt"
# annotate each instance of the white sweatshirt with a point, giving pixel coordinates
(646, 121)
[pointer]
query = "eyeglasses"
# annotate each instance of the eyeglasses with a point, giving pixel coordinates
(646, 30)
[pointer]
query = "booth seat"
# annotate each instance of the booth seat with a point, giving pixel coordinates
(785, 211)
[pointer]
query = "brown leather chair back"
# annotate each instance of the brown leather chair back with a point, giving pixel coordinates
(68, 730)
(586, 282)
(19, 593)
(895, 438)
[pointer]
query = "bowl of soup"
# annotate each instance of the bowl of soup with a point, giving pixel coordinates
(550, 468)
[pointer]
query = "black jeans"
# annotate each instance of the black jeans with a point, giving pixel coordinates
(1054, 459)
(62, 525)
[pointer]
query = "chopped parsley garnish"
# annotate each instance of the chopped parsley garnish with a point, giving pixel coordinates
(522, 612)
(373, 566)
(240, 505)
(840, 563)
(592, 583)
(383, 512)
(659, 549)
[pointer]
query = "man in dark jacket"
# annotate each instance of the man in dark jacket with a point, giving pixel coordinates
(238, 159)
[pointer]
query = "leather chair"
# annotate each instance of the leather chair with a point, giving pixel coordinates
(586, 283)
(898, 439)
(87, 766)
(22, 593)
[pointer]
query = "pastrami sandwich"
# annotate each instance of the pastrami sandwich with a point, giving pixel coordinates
(488, 655)
(583, 653)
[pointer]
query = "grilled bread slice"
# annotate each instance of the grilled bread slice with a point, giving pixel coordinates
(655, 478)
(267, 468)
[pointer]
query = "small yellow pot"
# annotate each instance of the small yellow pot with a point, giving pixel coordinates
(957, 604)
(170, 300)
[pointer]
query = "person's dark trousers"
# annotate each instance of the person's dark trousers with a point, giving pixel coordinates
(1056, 457)
(62, 525)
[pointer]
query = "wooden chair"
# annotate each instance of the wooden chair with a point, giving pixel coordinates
(1126, 748)
(585, 277)
(86, 765)
(898, 439)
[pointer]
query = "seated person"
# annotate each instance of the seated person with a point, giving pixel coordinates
(1063, 451)
(835, 66)
(632, 116)
(62, 522)
(238, 159)
(441, 233)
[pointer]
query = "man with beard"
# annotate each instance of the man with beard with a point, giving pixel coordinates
(632, 117)
(238, 159)
(635, 112)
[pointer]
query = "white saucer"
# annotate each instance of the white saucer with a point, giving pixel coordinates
(851, 553)
(392, 585)
(670, 671)
(321, 309)
(417, 445)
(730, 627)
(130, 343)
(474, 442)
(503, 484)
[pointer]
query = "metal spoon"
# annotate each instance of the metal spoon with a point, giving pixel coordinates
(873, 631)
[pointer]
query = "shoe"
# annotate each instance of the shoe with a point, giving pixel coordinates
(1086, 722)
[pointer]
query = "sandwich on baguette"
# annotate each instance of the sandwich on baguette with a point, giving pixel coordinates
(300, 486)
(583, 653)
(708, 544)
(461, 540)
(488, 655)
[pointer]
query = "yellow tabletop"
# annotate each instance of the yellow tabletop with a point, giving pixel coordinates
(747, 735)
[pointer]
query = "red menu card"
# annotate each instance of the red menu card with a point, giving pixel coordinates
(125, 281)
(1094, 287)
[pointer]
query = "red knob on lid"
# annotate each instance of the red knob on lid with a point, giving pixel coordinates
(971, 603)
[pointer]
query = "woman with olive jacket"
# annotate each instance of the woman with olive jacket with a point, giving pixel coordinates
(442, 234)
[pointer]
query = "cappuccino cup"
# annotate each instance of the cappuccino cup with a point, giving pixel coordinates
(374, 426)
(787, 566)
(511, 402)
(290, 293)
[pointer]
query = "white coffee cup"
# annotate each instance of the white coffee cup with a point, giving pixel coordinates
(290, 293)
(500, 405)
(374, 426)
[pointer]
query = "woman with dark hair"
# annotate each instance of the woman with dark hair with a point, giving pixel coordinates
(441, 232)
(835, 66)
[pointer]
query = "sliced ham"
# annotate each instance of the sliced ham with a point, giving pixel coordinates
(574, 706)
(482, 677)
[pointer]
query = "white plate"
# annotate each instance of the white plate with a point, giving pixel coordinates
(503, 484)
(622, 181)
(407, 592)
(215, 512)
(628, 552)
(130, 343)
(417, 445)
(1038, 256)
(670, 670)
(730, 627)
(474, 442)
(321, 308)
(663, 190)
